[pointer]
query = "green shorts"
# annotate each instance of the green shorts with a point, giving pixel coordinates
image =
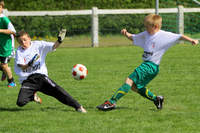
(144, 74)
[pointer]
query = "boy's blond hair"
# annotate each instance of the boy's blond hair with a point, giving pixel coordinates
(152, 20)
(2, 3)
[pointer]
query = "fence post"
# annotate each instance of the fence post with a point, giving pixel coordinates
(5, 12)
(180, 20)
(157, 7)
(95, 26)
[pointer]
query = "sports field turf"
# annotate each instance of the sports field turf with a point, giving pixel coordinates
(178, 81)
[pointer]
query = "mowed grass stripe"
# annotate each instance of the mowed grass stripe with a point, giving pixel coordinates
(108, 67)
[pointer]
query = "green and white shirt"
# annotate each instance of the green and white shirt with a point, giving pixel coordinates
(6, 41)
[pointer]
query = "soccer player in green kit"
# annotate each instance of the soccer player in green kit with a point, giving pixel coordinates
(7, 31)
(155, 43)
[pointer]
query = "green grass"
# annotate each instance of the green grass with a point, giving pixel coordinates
(108, 67)
(85, 41)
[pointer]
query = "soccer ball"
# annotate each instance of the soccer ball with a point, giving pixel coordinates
(79, 71)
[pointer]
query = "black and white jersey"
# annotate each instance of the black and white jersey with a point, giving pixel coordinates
(23, 56)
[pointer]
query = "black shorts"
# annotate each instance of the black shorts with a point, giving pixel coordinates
(4, 60)
(39, 82)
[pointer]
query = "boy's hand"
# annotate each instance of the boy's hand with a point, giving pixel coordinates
(195, 42)
(127, 34)
(123, 32)
(186, 38)
(61, 35)
(35, 57)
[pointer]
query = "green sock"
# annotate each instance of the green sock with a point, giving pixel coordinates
(123, 90)
(147, 94)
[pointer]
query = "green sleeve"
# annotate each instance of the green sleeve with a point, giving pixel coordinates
(6, 21)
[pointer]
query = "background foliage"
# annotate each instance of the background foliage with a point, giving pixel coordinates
(24, 5)
(108, 24)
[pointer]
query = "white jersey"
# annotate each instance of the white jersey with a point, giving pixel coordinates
(24, 56)
(155, 45)
(12, 28)
(13, 47)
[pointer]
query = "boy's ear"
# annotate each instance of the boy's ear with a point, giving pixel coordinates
(156, 26)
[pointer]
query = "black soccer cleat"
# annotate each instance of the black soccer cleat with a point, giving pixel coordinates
(106, 106)
(159, 102)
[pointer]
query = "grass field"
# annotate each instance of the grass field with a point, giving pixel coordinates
(108, 67)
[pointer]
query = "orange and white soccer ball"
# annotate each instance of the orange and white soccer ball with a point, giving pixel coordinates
(79, 71)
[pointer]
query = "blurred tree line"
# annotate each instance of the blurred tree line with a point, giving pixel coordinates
(29, 5)
(49, 25)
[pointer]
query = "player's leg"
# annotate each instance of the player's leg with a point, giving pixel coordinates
(158, 100)
(3, 76)
(37, 99)
(111, 103)
(7, 70)
(145, 73)
(26, 93)
(49, 87)
(146, 93)
(123, 90)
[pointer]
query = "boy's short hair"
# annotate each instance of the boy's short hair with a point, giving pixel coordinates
(2, 3)
(152, 20)
(21, 33)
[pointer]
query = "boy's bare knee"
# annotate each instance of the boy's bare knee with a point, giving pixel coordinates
(129, 81)
(4, 66)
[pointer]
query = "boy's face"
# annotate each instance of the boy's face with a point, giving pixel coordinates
(1, 8)
(152, 30)
(24, 41)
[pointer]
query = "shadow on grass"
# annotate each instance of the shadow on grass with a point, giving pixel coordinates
(47, 109)
(155, 110)
(128, 108)
(117, 109)
(123, 108)
(15, 109)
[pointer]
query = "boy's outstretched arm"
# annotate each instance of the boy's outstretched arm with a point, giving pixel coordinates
(61, 37)
(6, 31)
(186, 38)
(127, 34)
(9, 30)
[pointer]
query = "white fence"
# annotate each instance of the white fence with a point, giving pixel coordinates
(180, 10)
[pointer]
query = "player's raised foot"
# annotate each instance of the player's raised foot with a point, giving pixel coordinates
(11, 84)
(106, 106)
(37, 99)
(81, 110)
(3, 76)
(159, 102)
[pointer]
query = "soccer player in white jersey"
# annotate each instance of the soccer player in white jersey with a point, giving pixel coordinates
(7, 31)
(155, 43)
(32, 71)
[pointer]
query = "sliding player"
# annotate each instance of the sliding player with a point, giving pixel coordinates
(32, 71)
